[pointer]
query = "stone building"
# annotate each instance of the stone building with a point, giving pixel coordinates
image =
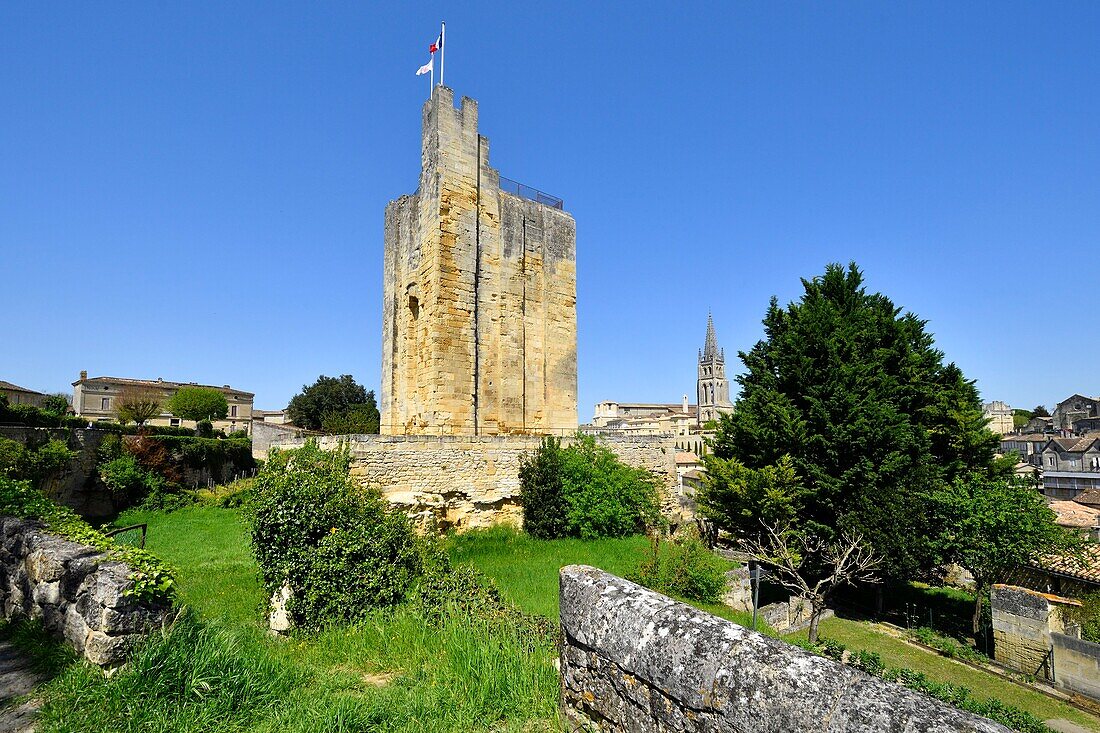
(479, 315)
(1071, 466)
(21, 395)
(1074, 408)
(712, 387)
(999, 415)
(96, 398)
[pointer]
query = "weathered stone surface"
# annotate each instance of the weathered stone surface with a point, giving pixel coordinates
(479, 304)
(79, 596)
(634, 660)
(279, 618)
(467, 482)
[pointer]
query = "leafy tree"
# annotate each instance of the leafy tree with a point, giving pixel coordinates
(198, 403)
(1040, 411)
(991, 526)
(137, 404)
(854, 392)
(1021, 417)
(335, 404)
(56, 403)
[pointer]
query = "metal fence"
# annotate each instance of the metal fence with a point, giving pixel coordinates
(533, 194)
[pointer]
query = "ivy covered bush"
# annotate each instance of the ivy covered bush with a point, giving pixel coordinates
(153, 580)
(584, 490)
(33, 463)
(340, 548)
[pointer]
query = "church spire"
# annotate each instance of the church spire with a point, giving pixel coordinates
(710, 348)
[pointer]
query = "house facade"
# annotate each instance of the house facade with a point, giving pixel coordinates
(999, 415)
(96, 398)
(21, 395)
(1071, 466)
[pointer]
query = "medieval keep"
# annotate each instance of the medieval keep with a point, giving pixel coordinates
(479, 320)
(713, 387)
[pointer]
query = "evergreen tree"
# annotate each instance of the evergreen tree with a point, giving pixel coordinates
(855, 393)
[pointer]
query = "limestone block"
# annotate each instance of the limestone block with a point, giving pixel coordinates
(75, 630)
(279, 618)
(107, 651)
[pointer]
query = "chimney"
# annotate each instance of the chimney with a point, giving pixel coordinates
(83, 373)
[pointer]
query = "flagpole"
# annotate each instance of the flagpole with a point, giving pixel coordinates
(431, 90)
(442, 48)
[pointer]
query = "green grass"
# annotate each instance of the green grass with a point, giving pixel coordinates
(525, 569)
(858, 635)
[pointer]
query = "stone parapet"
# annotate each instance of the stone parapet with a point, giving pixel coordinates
(634, 660)
(78, 594)
(464, 482)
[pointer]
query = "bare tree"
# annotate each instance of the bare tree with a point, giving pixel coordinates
(138, 404)
(810, 567)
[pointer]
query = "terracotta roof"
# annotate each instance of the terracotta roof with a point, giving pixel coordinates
(1090, 497)
(1028, 437)
(693, 474)
(1073, 514)
(17, 388)
(686, 457)
(1079, 444)
(1086, 568)
(161, 383)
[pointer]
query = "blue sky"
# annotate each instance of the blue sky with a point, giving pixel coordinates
(195, 191)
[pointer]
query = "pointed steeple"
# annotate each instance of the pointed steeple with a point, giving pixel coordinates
(710, 348)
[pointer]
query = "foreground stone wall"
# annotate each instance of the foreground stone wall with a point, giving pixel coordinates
(468, 482)
(77, 593)
(634, 660)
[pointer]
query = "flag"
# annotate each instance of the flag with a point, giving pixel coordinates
(437, 45)
(426, 68)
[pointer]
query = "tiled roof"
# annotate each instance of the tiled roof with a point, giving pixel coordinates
(162, 383)
(1073, 514)
(686, 457)
(1079, 444)
(17, 388)
(1086, 567)
(1090, 497)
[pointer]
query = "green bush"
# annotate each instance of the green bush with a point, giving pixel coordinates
(128, 481)
(1087, 616)
(585, 491)
(688, 569)
(153, 580)
(949, 647)
(338, 545)
(204, 429)
(34, 464)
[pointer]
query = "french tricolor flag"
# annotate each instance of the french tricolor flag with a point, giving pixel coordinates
(437, 45)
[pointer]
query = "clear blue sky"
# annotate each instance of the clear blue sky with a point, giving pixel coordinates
(195, 190)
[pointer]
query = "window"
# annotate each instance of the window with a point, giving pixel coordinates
(233, 411)
(174, 422)
(105, 403)
(1050, 461)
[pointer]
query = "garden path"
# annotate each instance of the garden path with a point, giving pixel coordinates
(17, 680)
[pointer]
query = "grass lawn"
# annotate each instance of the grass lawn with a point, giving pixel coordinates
(858, 635)
(526, 569)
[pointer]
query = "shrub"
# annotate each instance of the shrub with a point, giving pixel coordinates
(948, 646)
(126, 479)
(688, 569)
(34, 464)
(204, 429)
(1087, 616)
(585, 491)
(340, 548)
(541, 493)
(153, 581)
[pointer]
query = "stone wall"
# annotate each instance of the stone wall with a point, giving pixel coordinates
(783, 616)
(468, 482)
(1029, 632)
(77, 593)
(479, 295)
(634, 660)
(76, 486)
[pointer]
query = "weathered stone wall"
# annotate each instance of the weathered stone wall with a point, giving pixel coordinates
(75, 486)
(479, 302)
(634, 660)
(1076, 664)
(1022, 621)
(467, 482)
(79, 595)
(1028, 625)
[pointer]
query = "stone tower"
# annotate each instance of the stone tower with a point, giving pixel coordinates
(713, 387)
(480, 319)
